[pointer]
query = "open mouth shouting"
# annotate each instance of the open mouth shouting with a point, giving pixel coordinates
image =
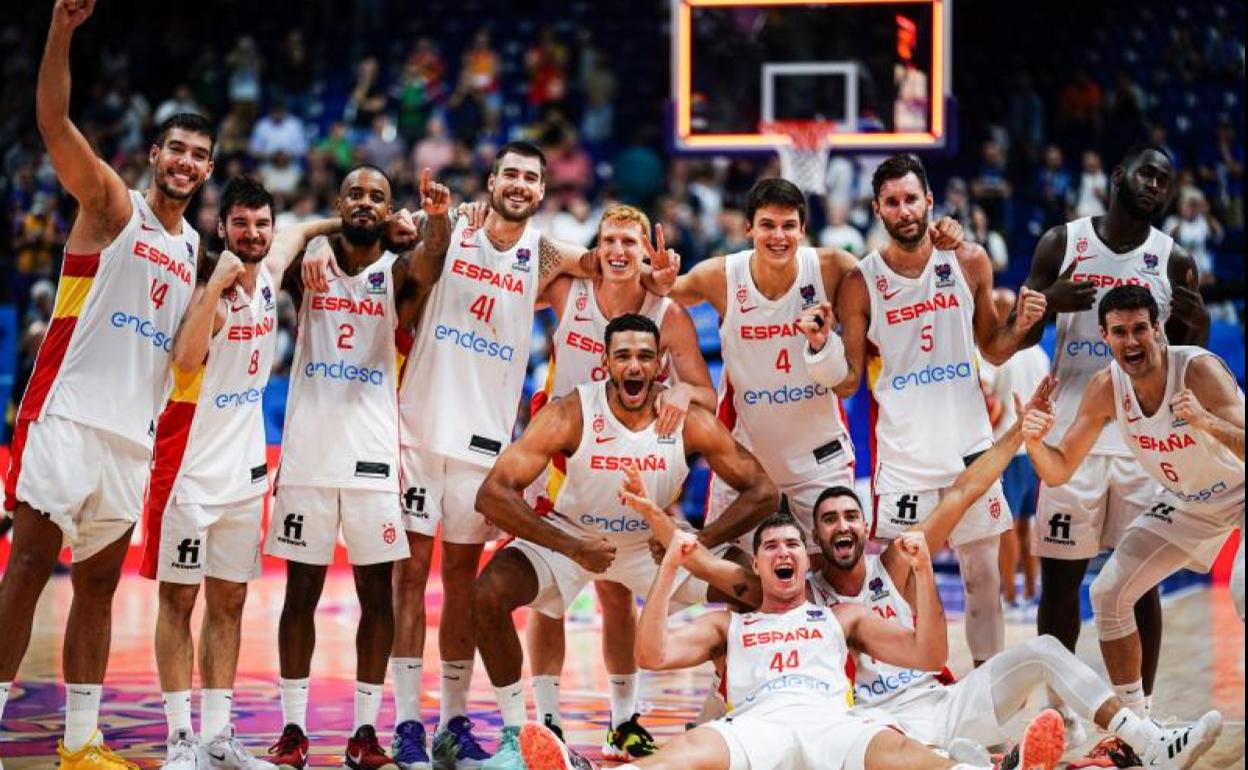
(633, 391)
(1134, 357)
(786, 572)
(843, 546)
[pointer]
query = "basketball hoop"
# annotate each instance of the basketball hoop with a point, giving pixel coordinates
(803, 149)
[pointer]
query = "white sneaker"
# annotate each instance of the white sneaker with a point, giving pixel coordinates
(1178, 747)
(225, 752)
(180, 751)
(1076, 733)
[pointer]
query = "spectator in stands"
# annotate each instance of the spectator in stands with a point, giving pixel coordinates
(281, 175)
(338, 146)
(382, 147)
(980, 231)
(482, 70)
(731, 236)
(569, 170)
(245, 65)
(1079, 106)
(839, 233)
(38, 236)
(181, 100)
(42, 303)
(1222, 173)
(428, 61)
(678, 230)
(1027, 118)
(707, 196)
(1056, 191)
(546, 63)
(436, 150)
(599, 87)
(367, 100)
(292, 75)
(957, 203)
(1195, 229)
(302, 209)
(575, 222)
(991, 188)
(1093, 195)
(278, 131)
(411, 102)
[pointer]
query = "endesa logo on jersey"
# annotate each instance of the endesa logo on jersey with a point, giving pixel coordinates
(1200, 495)
(468, 340)
(241, 332)
(332, 304)
(784, 395)
(241, 398)
(888, 683)
(1091, 348)
(618, 524)
(930, 375)
(941, 301)
(504, 281)
(144, 328)
(341, 370)
(164, 261)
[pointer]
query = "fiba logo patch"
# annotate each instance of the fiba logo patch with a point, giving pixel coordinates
(1059, 529)
(188, 554)
(878, 591)
(389, 534)
(377, 282)
(267, 293)
(944, 275)
(808, 295)
(292, 530)
(522, 260)
(1150, 263)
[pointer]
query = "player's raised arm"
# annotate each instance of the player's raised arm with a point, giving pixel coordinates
(998, 337)
(693, 379)
(556, 428)
(757, 495)
(657, 647)
(425, 261)
(1061, 294)
(1211, 401)
(853, 308)
(729, 577)
(926, 646)
(1056, 464)
(290, 242)
(704, 282)
(205, 316)
(1189, 318)
(100, 192)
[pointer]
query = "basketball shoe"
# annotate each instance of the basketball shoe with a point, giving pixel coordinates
(628, 741)
(1110, 751)
(225, 752)
(1042, 745)
(94, 755)
(180, 751)
(291, 750)
(543, 750)
(455, 747)
(408, 746)
(1177, 748)
(365, 753)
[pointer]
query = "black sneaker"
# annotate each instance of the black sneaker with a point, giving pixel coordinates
(628, 741)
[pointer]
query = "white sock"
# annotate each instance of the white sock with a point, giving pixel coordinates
(406, 673)
(546, 699)
(1132, 696)
(1134, 729)
(623, 697)
(1148, 705)
(295, 702)
(214, 712)
(82, 714)
(367, 704)
(456, 679)
(511, 704)
(4, 696)
(178, 711)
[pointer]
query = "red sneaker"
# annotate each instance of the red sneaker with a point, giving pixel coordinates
(1042, 745)
(1111, 751)
(364, 752)
(291, 750)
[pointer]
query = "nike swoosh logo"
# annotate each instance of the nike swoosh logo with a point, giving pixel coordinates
(748, 309)
(356, 758)
(750, 621)
(603, 439)
(467, 245)
(217, 758)
(1135, 418)
(1084, 257)
(149, 229)
(236, 309)
(455, 666)
(888, 295)
(581, 318)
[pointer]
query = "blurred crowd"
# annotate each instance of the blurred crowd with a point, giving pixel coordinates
(302, 96)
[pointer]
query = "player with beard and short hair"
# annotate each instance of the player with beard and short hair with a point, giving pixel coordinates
(340, 444)
(599, 429)
(787, 664)
(469, 359)
(920, 313)
(583, 307)
(1075, 264)
(959, 717)
(209, 481)
(84, 429)
(1180, 413)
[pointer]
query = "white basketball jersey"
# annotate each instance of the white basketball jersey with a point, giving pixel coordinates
(576, 354)
(1080, 352)
(342, 421)
(781, 660)
(586, 498)
(877, 683)
(210, 438)
(1198, 472)
(462, 388)
(105, 359)
(791, 423)
(923, 374)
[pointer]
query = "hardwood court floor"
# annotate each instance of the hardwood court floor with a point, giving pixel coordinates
(1202, 667)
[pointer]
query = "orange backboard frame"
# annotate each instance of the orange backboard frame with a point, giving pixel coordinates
(682, 84)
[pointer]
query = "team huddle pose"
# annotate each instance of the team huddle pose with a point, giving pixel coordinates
(413, 340)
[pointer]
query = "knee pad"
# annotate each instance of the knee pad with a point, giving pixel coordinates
(1112, 607)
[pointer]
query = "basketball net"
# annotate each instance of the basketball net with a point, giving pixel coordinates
(803, 151)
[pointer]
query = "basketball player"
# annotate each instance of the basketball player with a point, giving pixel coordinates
(1181, 415)
(1074, 265)
(83, 437)
(583, 307)
(976, 710)
(599, 428)
(340, 448)
(786, 664)
(922, 311)
(205, 499)
(795, 426)
(471, 352)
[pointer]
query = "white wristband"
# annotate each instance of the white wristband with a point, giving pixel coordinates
(827, 367)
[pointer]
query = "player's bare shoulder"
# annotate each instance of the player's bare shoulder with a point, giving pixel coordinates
(835, 265)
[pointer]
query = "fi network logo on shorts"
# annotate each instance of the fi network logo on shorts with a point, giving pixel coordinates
(292, 530)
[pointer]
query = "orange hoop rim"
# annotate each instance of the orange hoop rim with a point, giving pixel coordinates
(802, 134)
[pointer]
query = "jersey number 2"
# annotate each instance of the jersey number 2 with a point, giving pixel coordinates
(345, 333)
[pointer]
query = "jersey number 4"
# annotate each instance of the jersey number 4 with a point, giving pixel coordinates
(482, 307)
(781, 662)
(157, 293)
